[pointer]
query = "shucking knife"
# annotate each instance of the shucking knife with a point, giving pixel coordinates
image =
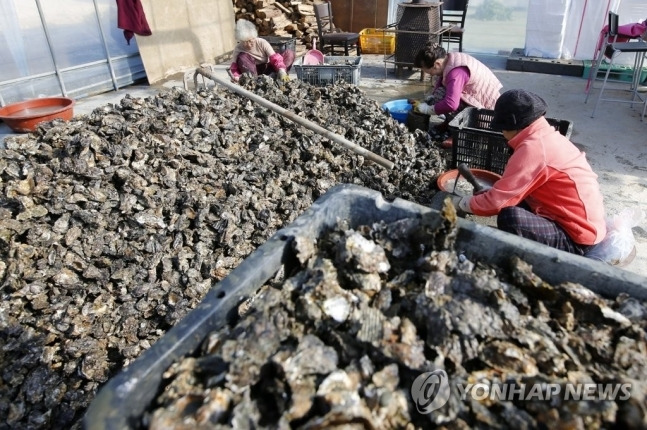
(467, 174)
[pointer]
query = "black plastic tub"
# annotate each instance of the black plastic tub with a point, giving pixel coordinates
(121, 403)
(280, 44)
(479, 146)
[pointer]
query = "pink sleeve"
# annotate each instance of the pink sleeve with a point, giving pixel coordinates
(276, 61)
(234, 65)
(234, 69)
(456, 80)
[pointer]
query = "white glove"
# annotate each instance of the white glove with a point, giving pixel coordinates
(462, 203)
(423, 108)
(283, 75)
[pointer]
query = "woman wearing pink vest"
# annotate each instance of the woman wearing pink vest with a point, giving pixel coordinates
(463, 81)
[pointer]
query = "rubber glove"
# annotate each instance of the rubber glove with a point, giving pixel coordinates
(233, 77)
(283, 75)
(423, 108)
(462, 203)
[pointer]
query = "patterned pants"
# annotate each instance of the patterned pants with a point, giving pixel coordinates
(247, 64)
(524, 223)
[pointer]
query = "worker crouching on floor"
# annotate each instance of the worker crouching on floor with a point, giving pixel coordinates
(256, 56)
(548, 191)
(462, 81)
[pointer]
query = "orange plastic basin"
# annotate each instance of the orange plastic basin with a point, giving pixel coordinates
(484, 177)
(23, 117)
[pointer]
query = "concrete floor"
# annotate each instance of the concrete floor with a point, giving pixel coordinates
(615, 141)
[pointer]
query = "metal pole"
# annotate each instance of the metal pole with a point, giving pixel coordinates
(51, 49)
(105, 47)
(294, 117)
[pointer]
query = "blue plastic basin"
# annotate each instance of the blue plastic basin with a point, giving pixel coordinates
(398, 109)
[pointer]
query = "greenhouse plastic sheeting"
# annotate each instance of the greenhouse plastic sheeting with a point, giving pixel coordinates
(71, 48)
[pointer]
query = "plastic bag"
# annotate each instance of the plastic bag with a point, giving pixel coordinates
(619, 244)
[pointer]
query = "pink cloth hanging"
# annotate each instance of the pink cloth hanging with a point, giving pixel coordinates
(131, 19)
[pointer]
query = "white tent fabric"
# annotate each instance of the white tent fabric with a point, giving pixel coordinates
(585, 21)
(11, 31)
(545, 28)
(570, 29)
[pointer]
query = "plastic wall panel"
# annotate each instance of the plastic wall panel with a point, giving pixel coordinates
(546, 27)
(22, 41)
(46, 86)
(73, 31)
(84, 42)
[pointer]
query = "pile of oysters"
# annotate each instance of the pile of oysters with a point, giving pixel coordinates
(115, 224)
(352, 337)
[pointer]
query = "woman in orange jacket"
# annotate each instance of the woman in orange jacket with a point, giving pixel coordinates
(548, 191)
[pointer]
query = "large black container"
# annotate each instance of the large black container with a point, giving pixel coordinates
(476, 144)
(280, 44)
(122, 401)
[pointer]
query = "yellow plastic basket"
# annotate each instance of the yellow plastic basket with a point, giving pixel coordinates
(374, 41)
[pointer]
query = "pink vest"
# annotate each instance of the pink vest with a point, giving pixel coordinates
(482, 90)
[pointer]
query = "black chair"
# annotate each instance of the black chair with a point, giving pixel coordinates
(452, 13)
(332, 38)
(611, 49)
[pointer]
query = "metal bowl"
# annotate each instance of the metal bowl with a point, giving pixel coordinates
(23, 117)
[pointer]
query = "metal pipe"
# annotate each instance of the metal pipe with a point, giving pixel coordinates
(65, 69)
(26, 78)
(295, 118)
(105, 47)
(51, 48)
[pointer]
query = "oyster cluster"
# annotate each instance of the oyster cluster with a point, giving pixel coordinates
(340, 341)
(115, 224)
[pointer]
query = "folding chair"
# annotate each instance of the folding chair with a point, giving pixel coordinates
(611, 48)
(453, 14)
(329, 35)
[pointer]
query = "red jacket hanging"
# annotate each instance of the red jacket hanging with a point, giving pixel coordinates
(131, 19)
